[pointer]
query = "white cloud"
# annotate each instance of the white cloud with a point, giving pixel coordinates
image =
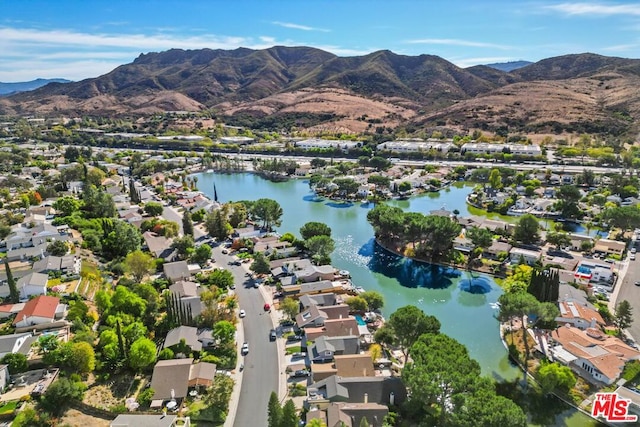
(299, 26)
(458, 42)
(72, 70)
(595, 9)
(620, 47)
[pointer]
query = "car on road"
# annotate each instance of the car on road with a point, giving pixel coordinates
(300, 373)
(245, 349)
(266, 307)
(633, 250)
(637, 283)
(224, 251)
(242, 313)
(272, 335)
(632, 257)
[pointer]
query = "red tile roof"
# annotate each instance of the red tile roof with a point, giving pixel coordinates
(41, 306)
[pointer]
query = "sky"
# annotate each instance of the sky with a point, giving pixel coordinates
(78, 39)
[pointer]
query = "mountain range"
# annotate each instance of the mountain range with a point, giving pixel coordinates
(9, 88)
(571, 93)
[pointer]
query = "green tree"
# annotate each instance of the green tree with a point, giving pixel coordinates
(268, 211)
(17, 362)
(623, 317)
(623, 217)
(153, 208)
(289, 415)
(138, 264)
(316, 422)
(406, 325)
(224, 332)
(202, 254)
(83, 358)
(441, 370)
(145, 397)
(320, 248)
(569, 196)
(528, 310)
(560, 240)
(552, 376)
(526, 230)
(404, 186)
(217, 399)
(142, 354)
(311, 229)
(237, 213)
(14, 295)
(290, 307)
(357, 303)
(57, 248)
(97, 203)
(57, 397)
(260, 265)
(483, 408)
(120, 240)
(495, 179)
(187, 224)
(216, 225)
(184, 246)
(48, 343)
(222, 279)
(374, 300)
(480, 237)
(274, 411)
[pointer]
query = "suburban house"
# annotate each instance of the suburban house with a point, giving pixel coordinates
(595, 356)
(381, 390)
(194, 338)
(302, 270)
(8, 310)
(149, 420)
(185, 288)
(347, 365)
(5, 376)
(516, 255)
(324, 349)
(496, 248)
(16, 343)
(32, 284)
(610, 247)
(171, 379)
(179, 270)
(40, 310)
(350, 414)
(315, 316)
(333, 328)
(320, 300)
(159, 246)
(577, 240)
(579, 315)
(67, 265)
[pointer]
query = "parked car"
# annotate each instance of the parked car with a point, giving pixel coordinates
(298, 355)
(245, 349)
(294, 338)
(300, 373)
(632, 257)
(224, 251)
(272, 335)
(242, 313)
(266, 307)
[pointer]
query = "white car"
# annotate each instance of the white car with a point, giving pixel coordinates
(245, 349)
(242, 313)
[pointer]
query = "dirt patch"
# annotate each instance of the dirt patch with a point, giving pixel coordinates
(112, 392)
(75, 418)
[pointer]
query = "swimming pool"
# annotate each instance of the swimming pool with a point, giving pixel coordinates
(360, 320)
(583, 269)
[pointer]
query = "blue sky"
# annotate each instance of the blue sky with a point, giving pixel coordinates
(77, 39)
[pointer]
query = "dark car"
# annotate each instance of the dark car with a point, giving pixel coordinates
(294, 338)
(273, 335)
(300, 373)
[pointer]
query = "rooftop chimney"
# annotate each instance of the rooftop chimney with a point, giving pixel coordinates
(366, 398)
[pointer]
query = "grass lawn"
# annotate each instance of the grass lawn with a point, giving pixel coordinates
(294, 349)
(8, 407)
(88, 268)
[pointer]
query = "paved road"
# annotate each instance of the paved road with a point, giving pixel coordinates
(628, 291)
(261, 366)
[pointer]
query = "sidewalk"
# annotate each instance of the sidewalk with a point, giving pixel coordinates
(614, 295)
(237, 377)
